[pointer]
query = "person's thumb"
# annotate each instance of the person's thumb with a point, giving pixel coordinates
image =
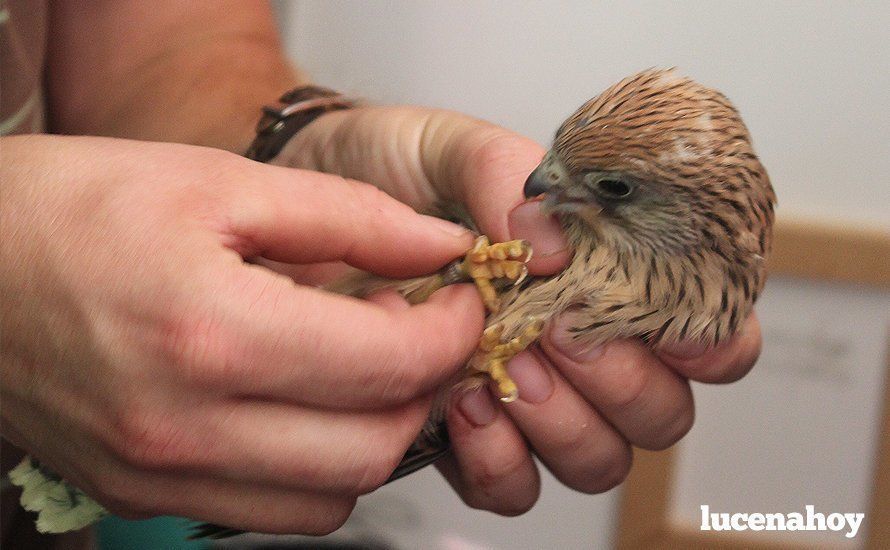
(550, 248)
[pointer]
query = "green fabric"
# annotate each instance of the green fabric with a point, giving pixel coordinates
(162, 533)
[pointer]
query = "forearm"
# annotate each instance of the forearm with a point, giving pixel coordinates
(182, 72)
(216, 102)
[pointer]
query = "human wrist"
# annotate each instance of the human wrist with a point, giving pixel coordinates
(217, 106)
(227, 118)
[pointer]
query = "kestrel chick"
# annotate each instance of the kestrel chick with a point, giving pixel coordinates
(669, 212)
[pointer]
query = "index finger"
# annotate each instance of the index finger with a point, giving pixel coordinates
(299, 216)
(275, 339)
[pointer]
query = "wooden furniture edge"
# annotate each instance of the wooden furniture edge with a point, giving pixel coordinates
(645, 499)
(823, 251)
(878, 518)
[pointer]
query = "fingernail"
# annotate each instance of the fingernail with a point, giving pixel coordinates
(544, 232)
(477, 407)
(452, 229)
(684, 350)
(564, 339)
(535, 385)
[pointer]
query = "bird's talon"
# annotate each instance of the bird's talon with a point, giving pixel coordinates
(522, 275)
(485, 262)
(511, 397)
(491, 337)
(493, 354)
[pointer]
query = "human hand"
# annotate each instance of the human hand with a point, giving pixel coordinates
(149, 365)
(579, 411)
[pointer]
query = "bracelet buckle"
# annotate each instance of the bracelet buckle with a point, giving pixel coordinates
(294, 111)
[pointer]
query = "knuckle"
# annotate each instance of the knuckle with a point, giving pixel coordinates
(508, 507)
(362, 200)
(182, 341)
(375, 471)
(404, 372)
(746, 360)
(369, 198)
(588, 464)
(497, 147)
(243, 208)
(675, 425)
(568, 440)
(226, 173)
(237, 202)
(218, 178)
(192, 347)
(515, 505)
(384, 446)
(458, 330)
(147, 440)
(603, 472)
(331, 522)
(628, 395)
(659, 429)
(493, 476)
(616, 472)
(330, 518)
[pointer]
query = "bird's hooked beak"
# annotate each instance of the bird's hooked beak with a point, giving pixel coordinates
(558, 192)
(548, 176)
(554, 185)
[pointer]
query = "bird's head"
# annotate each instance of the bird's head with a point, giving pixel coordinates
(658, 161)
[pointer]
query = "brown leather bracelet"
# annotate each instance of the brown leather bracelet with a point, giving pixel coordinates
(294, 111)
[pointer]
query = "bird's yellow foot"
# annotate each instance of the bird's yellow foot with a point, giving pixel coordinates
(486, 261)
(492, 355)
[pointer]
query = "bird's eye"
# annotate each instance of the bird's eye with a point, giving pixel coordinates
(614, 188)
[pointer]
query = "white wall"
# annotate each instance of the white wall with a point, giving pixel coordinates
(812, 80)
